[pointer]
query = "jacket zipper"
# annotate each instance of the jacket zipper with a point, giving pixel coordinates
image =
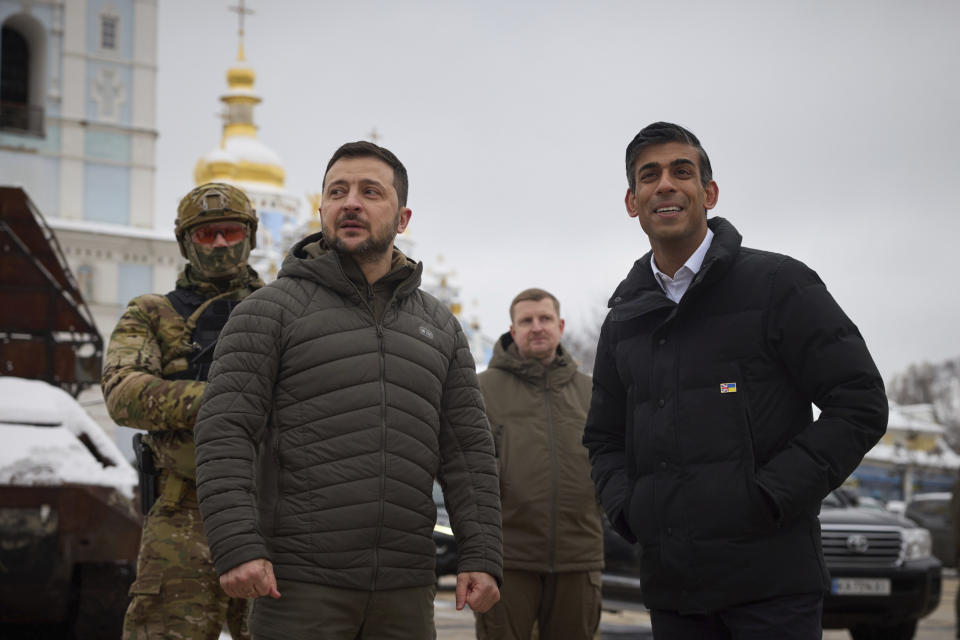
(383, 455)
(551, 438)
(368, 303)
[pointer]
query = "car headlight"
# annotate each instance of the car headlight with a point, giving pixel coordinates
(916, 544)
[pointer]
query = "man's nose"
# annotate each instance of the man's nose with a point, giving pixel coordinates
(665, 184)
(220, 240)
(352, 201)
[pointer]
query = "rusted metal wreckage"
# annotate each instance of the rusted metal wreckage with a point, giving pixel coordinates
(67, 547)
(46, 329)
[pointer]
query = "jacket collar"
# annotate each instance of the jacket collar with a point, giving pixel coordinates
(311, 259)
(640, 293)
(506, 356)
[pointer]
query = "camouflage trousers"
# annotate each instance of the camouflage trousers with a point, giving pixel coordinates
(177, 592)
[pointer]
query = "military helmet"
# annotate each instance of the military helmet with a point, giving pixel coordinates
(214, 202)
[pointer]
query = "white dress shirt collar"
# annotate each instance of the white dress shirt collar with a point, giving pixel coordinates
(675, 287)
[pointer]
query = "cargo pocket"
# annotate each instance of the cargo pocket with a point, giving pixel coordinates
(144, 619)
(147, 586)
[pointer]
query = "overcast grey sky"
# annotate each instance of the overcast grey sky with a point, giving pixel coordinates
(832, 127)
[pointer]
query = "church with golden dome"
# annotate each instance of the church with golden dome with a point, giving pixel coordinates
(241, 159)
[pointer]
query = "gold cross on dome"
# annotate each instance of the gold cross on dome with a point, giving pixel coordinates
(241, 10)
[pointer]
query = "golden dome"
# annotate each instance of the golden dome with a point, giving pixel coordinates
(241, 157)
(241, 78)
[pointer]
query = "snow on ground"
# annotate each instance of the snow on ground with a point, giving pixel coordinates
(41, 426)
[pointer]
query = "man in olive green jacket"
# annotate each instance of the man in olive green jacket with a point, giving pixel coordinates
(337, 394)
(537, 404)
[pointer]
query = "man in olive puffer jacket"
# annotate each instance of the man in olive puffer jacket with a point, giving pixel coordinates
(537, 404)
(337, 394)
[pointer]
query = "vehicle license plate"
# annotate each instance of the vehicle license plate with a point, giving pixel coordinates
(860, 586)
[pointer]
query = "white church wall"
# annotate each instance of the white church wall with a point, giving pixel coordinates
(102, 143)
(145, 64)
(27, 170)
(141, 196)
(165, 277)
(144, 97)
(71, 183)
(106, 193)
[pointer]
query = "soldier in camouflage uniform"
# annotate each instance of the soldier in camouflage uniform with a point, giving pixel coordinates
(154, 376)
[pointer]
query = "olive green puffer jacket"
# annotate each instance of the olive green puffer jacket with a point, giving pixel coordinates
(353, 418)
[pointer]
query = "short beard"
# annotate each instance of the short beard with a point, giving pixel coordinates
(371, 249)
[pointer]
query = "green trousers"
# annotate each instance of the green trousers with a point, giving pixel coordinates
(308, 611)
(565, 606)
(177, 592)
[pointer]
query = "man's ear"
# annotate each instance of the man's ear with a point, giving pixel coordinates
(561, 324)
(631, 204)
(713, 193)
(405, 214)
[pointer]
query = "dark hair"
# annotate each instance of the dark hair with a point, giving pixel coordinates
(533, 295)
(662, 133)
(364, 149)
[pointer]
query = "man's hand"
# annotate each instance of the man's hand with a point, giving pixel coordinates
(477, 589)
(250, 580)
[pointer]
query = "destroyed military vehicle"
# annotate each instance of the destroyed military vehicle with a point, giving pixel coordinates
(69, 529)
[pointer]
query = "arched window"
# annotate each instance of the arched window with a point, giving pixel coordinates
(22, 72)
(14, 68)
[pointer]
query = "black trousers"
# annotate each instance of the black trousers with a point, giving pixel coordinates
(784, 618)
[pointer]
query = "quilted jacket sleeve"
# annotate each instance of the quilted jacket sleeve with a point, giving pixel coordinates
(468, 471)
(827, 358)
(605, 436)
(234, 412)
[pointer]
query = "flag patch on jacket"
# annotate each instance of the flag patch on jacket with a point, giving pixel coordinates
(728, 387)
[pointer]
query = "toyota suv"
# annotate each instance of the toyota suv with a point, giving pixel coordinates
(883, 577)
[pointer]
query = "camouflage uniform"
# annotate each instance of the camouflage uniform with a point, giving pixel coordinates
(177, 592)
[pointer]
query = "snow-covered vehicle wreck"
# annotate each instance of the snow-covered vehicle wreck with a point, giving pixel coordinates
(69, 530)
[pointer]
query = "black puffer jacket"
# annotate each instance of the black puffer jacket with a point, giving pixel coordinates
(701, 433)
(353, 419)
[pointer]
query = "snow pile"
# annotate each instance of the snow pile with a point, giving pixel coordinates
(41, 427)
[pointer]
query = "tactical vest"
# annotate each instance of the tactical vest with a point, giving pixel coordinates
(208, 325)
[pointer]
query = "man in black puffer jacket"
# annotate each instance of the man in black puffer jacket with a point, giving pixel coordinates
(701, 434)
(349, 389)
